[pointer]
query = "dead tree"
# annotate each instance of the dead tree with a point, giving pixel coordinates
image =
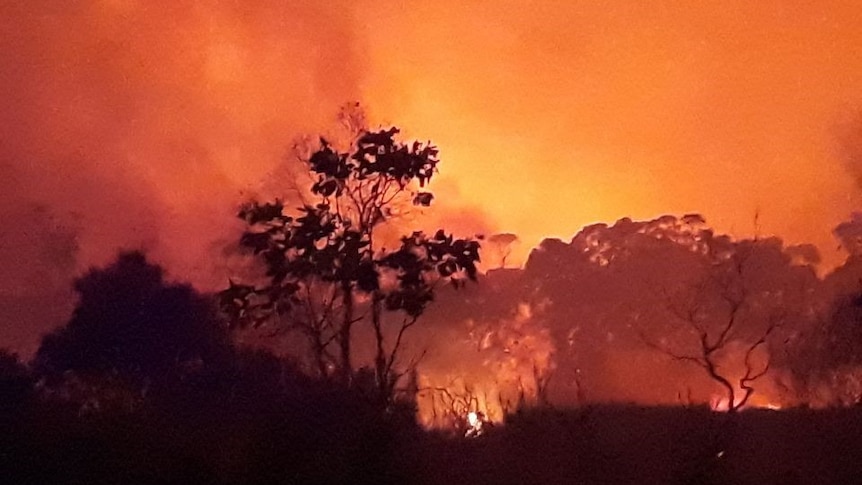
(450, 405)
(715, 323)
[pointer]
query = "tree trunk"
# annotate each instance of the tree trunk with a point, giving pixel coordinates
(345, 332)
(381, 361)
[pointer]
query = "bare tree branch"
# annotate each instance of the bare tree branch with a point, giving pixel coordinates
(732, 291)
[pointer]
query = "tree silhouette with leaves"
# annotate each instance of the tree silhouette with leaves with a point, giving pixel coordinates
(16, 383)
(326, 272)
(135, 331)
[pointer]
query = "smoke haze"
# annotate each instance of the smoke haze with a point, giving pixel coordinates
(141, 124)
(560, 114)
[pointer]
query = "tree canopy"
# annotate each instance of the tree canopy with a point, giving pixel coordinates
(132, 324)
(322, 260)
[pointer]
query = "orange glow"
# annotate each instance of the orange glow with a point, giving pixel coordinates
(720, 403)
(141, 124)
(565, 113)
(548, 117)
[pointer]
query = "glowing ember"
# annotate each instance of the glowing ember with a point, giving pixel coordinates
(477, 424)
(721, 404)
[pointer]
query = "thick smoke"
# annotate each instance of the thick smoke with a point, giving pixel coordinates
(566, 113)
(850, 144)
(141, 124)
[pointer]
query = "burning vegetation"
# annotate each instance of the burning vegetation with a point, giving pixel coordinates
(194, 289)
(377, 346)
(663, 311)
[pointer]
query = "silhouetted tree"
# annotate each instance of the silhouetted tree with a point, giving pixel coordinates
(133, 328)
(598, 288)
(726, 321)
(825, 363)
(16, 383)
(614, 286)
(323, 261)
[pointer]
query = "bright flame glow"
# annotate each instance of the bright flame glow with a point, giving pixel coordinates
(721, 403)
(472, 419)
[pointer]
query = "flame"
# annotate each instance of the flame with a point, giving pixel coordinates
(499, 366)
(721, 404)
(759, 400)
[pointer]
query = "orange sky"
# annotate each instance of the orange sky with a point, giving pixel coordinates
(142, 123)
(556, 114)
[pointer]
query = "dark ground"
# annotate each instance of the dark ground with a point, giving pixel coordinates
(325, 439)
(616, 444)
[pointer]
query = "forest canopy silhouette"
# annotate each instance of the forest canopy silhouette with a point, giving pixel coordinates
(563, 242)
(340, 338)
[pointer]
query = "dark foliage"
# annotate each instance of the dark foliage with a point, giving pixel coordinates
(843, 345)
(16, 383)
(263, 422)
(258, 420)
(322, 262)
(133, 326)
(255, 419)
